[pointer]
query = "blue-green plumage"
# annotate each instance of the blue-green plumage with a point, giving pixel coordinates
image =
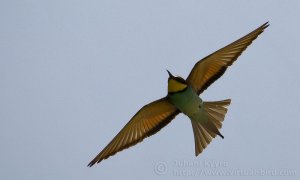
(206, 117)
(189, 103)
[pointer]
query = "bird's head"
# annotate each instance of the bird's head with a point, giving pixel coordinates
(176, 83)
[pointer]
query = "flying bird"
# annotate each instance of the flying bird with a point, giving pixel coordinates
(183, 97)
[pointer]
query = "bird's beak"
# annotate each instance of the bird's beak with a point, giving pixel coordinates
(170, 75)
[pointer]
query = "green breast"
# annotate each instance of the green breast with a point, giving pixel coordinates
(186, 101)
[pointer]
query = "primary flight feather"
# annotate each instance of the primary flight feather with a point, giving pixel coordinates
(183, 97)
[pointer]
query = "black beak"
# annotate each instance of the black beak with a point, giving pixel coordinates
(170, 75)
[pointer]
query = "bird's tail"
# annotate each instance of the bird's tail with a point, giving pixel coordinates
(204, 132)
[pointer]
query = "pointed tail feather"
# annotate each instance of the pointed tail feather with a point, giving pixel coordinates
(205, 132)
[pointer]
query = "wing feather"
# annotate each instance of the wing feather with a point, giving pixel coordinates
(146, 122)
(212, 67)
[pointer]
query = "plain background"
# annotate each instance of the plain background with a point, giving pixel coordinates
(72, 74)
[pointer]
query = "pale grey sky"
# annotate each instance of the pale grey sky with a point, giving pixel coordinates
(72, 73)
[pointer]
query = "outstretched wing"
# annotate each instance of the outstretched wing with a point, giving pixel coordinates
(212, 67)
(146, 122)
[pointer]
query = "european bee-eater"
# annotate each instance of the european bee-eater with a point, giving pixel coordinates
(183, 97)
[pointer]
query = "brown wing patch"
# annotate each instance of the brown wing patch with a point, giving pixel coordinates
(146, 122)
(212, 67)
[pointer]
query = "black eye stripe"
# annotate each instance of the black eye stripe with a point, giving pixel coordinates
(181, 80)
(178, 79)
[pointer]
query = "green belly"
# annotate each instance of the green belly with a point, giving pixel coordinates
(188, 102)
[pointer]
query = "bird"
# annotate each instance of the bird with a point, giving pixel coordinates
(183, 97)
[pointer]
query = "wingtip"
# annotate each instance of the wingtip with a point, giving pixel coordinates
(92, 163)
(265, 25)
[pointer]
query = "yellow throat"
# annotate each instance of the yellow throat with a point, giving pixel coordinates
(175, 86)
